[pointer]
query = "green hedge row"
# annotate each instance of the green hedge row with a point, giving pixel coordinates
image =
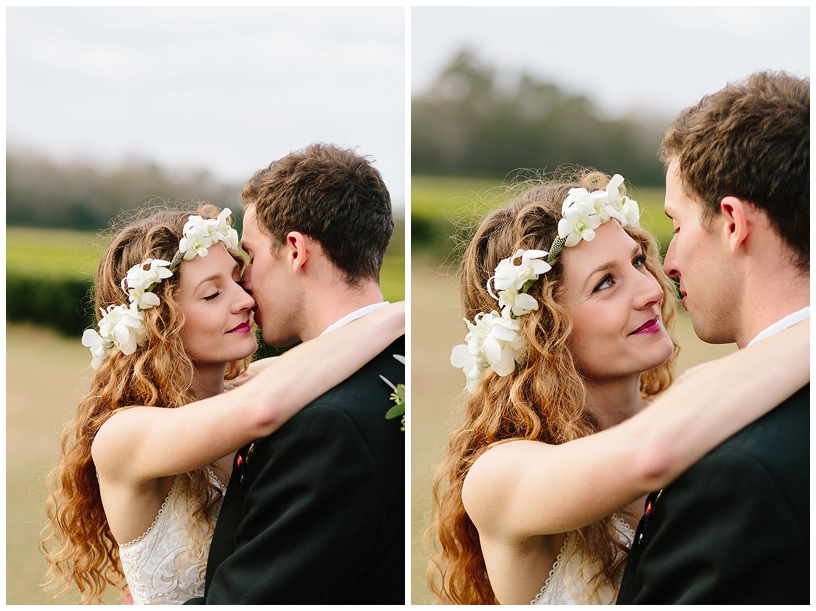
(63, 304)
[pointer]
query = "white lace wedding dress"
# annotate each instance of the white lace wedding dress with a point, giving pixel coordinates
(565, 584)
(158, 566)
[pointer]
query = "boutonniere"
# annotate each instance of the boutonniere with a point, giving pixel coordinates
(398, 396)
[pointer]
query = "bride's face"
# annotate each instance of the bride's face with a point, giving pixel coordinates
(615, 303)
(216, 308)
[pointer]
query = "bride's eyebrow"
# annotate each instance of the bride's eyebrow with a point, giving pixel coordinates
(217, 276)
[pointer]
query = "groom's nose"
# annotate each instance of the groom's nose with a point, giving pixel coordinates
(246, 282)
(670, 263)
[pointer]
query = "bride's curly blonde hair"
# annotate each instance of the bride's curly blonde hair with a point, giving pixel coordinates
(77, 541)
(543, 399)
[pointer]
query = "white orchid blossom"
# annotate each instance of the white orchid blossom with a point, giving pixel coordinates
(508, 275)
(579, 223)
(494, 340)
(518, 303)
(631, 213)
(140, 282)
(122, 326)
(200, 234)
(617, 206)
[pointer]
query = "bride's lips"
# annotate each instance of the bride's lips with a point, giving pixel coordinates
(242, 328)
(650, 326)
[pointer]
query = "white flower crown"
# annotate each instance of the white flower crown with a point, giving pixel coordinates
(494, 340)
(122, 326)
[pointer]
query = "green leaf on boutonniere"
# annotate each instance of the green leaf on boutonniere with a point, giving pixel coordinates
(398, 396)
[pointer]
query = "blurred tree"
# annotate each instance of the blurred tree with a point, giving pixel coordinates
(474, 121)
(41, 192)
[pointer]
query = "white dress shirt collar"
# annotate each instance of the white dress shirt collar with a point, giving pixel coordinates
(355, 315)
(781, 325)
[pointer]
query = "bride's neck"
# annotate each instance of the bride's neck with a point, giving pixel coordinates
(614, 400)
(208, 380)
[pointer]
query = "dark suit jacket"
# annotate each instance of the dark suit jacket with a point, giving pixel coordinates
(735, 528)
(315, 513)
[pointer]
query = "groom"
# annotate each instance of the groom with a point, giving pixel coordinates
(315, 513)
(735, 528)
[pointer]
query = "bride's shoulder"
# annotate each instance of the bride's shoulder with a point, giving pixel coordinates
(114, 433)
(499, 470)
(504, 453)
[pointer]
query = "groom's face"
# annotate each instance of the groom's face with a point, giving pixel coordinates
(698, 257)
(268, 279)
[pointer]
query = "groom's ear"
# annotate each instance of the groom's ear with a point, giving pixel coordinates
(740, 217)
(297, 251)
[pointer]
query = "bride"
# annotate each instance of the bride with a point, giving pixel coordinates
(570, 421)
(137, 489)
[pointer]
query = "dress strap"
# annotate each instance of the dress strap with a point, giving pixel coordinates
(215, 480)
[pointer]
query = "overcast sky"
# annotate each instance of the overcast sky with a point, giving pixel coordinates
(226, 89)
(653, 59)
(231, 89)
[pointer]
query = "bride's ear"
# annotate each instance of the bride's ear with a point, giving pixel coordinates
(739, 216)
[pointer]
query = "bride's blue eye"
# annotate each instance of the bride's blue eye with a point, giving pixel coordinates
(213, 296)
(639, 262)
(605, 283)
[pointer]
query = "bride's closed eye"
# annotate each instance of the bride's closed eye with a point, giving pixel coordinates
(213, 296)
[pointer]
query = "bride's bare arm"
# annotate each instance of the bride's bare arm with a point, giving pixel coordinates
(144, 443)
(255, 367)
(526, 488)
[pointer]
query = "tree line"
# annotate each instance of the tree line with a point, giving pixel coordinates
(41, 192)
(471, 122)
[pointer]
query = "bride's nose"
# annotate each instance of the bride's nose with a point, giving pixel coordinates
(649, 292)
(243, 301)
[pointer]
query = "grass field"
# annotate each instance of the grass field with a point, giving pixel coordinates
(45, 376)
(437, 394)
(61, 252)
(52, 252)
(450, 205)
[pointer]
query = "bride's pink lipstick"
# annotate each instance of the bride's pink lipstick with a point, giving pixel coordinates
(242, 328)
(652, 326)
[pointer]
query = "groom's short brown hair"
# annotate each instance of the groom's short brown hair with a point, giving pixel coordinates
(750, 140)
(334, 196)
